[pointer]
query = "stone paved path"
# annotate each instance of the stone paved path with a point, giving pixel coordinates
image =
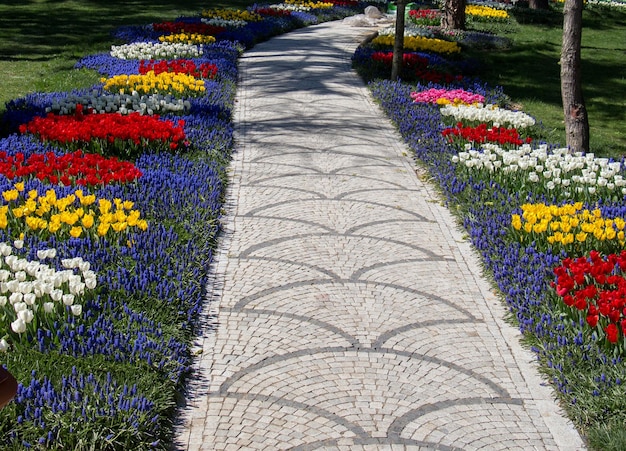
(348, 312)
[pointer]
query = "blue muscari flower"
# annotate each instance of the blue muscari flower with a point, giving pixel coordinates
(522, 274)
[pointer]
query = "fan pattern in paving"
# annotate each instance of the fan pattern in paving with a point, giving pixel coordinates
(347, 310)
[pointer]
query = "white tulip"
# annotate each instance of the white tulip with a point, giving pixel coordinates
(68, 299)
(26, 315)
(48, 307)
(13, 285)
(4, 346)
(30, 298)
(18, 326)
(19, 306)
(69, 263)
(83, 265)
(10, 260)
(33, 268)
(5, 249)
(77, 309)
(16, 297)
(25, 287)
(77, 288)
(57, 280)
(91, 282)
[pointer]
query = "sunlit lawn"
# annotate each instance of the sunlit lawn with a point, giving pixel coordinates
(40, 41)
(530, 72)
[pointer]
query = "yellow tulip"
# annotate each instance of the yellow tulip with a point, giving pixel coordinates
(29, 207)
(32, 222)
(54, 227)
(120, 216)
(104, 205)
(87, 221)
(51, 195)
(103, 228)
(516, 222)
(610, 233)
(133, 218)
(88, 200)
(119, 226)
(10, 195)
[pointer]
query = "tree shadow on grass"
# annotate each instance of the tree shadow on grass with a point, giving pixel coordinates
(524, 71)
(548, 18)
(37, 30)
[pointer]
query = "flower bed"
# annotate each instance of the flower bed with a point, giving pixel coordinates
(548, 223)
(108, 133)
(108, 219)
(420, 43)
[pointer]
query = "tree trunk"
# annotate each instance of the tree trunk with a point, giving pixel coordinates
(398, 45)
(538, 4)
(575, 113)
(453, 17)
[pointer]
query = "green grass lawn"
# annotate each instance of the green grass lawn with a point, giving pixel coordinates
(530, 73)
(40, 41)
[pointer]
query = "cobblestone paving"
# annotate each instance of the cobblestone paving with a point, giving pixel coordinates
(348, 312)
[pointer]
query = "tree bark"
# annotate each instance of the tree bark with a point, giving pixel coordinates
(538, 4)
(453, 17)
(398, 45)
(574, 110)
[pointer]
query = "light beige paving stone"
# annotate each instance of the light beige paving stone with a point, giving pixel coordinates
(347, 311)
